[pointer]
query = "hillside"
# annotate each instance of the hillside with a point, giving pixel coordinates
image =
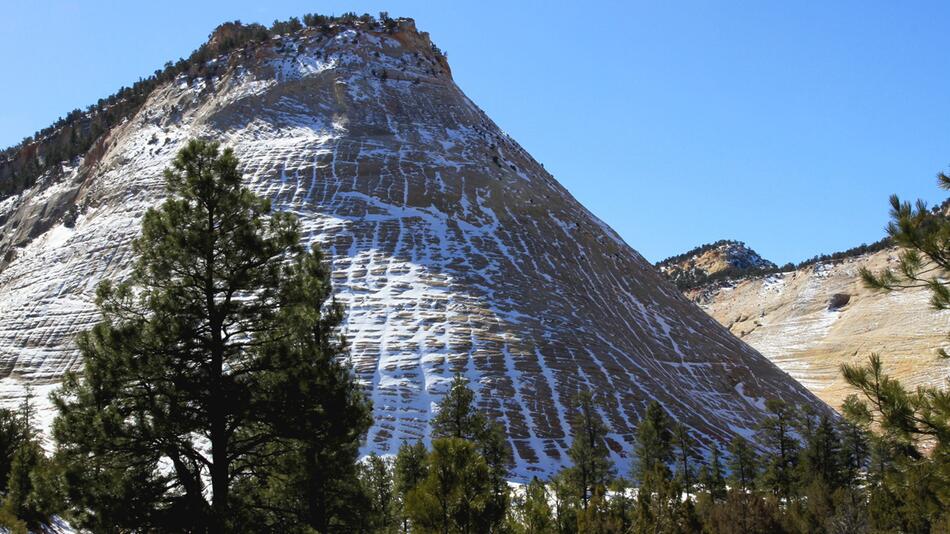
(452, 249)
(716, 261)
(811, 319)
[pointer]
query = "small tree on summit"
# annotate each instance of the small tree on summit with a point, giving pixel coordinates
(216, 363)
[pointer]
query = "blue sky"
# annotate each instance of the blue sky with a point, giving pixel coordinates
(782, 124)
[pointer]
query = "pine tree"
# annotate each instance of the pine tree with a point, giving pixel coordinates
(621, 505)
(216, 362)
(684, 455)
(654, 446)
(712, 477)
(565, 502)
(455, 493)
(658, 496)
(376, 477)
(536, 516)
(820, 456)
(742, 464)
(924, 237)
(592, 468)
(457, 416)
(777, 434)
(854, 452)
(904, 418)
(409, 471)
(33, 491)
(909, 490)
(493, 445)
(14, 433)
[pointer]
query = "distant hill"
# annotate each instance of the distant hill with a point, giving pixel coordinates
(714, 261)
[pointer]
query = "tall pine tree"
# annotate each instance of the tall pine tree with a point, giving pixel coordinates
(212, 392)
(777, 434)
(592, 468)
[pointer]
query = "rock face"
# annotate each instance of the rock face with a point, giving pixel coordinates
(452, 249)
(717, 260)
(811, 320)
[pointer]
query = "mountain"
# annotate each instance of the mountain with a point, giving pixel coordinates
(810, 319)
(715, 261)
(452, 249)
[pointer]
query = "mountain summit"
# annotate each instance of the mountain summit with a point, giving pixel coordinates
(714, 261)
(452, 249)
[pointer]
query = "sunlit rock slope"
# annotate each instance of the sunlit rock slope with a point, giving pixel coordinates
(811, 320)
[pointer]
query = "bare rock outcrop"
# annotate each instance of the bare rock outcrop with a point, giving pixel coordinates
(811, 320)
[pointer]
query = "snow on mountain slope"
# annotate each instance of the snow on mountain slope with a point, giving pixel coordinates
(452, 249)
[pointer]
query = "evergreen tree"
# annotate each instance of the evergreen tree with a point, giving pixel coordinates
(742, 464)
(854, 452)
(743, 513)
(409, 472)
(924, 261)
(911, 481)
(493, 446)
(33, 490)
(654, 446)
(596, 518)
(216, 363)
(820, 456)
(909, 490)
(658, 497)
(14, 433)
(376, 477)
(776, 432)
(621, 505)
(457, 416)
(534, 510)
(712, 477)
(565, 501)
(684, 455)
(455, 493)
(592, 468)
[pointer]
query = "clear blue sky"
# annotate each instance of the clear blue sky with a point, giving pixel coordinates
(783, 124)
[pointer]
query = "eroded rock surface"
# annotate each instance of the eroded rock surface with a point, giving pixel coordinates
(452, 249)
(812, 320)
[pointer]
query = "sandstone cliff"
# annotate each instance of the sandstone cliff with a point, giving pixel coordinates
(811, 320)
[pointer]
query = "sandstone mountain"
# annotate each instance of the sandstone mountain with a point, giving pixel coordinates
(810, 320)
(715, 261)
(452, 249)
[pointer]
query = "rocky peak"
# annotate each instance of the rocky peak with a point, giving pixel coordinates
(715, 261)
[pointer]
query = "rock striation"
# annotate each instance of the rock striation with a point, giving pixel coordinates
(810, 320)
(452, 249)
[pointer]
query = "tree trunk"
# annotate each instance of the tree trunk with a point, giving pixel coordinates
(217, 404)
